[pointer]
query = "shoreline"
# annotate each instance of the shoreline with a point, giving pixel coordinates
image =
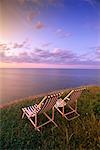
(40, 95)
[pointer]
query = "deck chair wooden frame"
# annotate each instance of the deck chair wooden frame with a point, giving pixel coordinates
(47, 103)
(71, 102)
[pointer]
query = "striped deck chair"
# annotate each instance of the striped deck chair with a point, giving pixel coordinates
(47, 103)
(68, 106)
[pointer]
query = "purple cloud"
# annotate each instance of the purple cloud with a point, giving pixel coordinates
(41, 56)
(56, 56)
(62, 34)
(96, 50)
(24, 44)
(47, 44)
(16, 45)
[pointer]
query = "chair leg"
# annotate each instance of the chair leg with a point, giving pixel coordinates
(53, 113)
(36, 121)
(62, 113)
(72, 111)
(50, 119)
(23, 115)
(34, 124)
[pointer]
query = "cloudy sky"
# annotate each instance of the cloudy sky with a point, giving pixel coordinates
(50, 33)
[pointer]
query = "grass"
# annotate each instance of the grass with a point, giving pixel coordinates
(82, 133)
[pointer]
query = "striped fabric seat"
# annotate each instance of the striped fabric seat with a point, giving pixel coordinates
(49, 102)
(73, 99)
(31, 110)
(69, 111)
(44, 106)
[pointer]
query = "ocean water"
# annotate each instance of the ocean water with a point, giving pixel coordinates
(20, 83)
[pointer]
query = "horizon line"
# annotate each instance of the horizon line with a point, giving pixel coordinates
(47, 68)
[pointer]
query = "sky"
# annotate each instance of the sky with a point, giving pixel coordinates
(50, 34)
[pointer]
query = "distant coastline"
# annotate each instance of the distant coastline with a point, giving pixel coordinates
(41, 95)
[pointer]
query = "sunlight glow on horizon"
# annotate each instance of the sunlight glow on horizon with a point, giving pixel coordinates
(28, 65)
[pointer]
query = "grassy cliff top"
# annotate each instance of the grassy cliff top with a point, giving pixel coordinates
(81, 133)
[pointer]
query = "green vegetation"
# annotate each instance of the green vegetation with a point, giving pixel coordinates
(82, 133)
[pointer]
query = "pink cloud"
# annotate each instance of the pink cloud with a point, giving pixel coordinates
(31, 15)
(39, 25)
(22, 1)
(4, 47)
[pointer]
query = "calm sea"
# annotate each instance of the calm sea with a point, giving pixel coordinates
(20, 83)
